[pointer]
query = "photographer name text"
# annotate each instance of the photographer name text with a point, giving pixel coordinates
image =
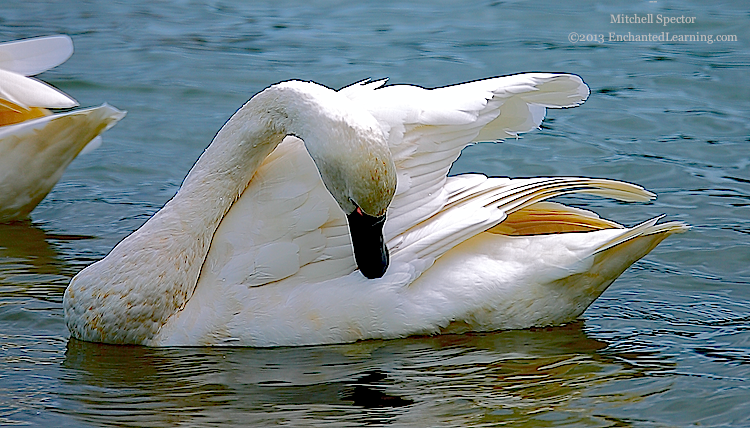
(648, 18)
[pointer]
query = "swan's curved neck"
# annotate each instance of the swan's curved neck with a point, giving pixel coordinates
(150, 275)
(226, 167)
(331, 128)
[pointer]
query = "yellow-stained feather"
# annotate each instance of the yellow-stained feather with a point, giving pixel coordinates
(11, 113)
(549, 217)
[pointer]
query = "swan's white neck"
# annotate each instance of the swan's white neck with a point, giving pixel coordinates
(150, 275)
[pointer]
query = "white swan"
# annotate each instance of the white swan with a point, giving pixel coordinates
(254, 248)
(35, 145)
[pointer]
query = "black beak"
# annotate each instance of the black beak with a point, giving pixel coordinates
(370, 251)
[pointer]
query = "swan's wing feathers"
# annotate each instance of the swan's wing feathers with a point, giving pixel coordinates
(284, 224)
(476, 203)
(428, 128)
(32, 56)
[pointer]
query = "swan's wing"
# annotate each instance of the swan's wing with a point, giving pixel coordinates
(428, 128)
(32, 56)
(285, 223)
(283, 240)
(475, 203)
(28, 92)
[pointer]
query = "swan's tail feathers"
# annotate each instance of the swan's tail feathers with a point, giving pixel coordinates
(37, 151)
(607, 262)
(647, 228)
(591, 271)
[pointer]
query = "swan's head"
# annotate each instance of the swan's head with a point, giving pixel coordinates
(361, 176)
(351, 153)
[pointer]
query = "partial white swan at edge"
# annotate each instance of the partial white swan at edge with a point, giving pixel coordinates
(37, 146)
(254, 249)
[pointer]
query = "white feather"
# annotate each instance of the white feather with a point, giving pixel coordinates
(92, 145)
(32, 56)
(29, 92)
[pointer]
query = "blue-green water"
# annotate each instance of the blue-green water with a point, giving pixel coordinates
(667, 345)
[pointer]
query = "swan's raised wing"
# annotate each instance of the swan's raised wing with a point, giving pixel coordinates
(287, 228)
(428, 128)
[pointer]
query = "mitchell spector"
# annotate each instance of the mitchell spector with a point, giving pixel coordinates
(648, 18)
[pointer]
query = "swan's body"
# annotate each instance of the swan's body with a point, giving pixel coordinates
(35, 145)
(254, 249)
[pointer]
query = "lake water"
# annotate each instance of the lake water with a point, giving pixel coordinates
(667, 345)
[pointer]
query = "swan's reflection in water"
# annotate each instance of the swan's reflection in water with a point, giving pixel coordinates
(33, 277)
(30, 264)
(547, 376)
